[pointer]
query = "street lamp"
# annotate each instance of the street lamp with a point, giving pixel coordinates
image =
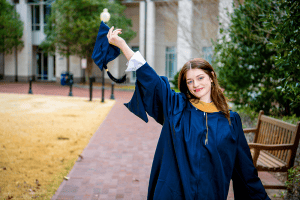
(104, 16)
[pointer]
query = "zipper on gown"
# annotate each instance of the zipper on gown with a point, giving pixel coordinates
(206, 139)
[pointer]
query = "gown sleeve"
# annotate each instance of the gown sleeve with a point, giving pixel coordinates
(246, 183)
(153, 96)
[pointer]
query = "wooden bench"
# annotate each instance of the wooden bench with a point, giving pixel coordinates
(275, 145)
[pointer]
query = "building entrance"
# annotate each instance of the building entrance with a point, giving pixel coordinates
(41, 66)
(45, 66)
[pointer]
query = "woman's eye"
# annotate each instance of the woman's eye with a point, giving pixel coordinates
(189, 82)
(200, 78)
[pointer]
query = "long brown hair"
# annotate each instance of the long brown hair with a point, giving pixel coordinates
(217, 95)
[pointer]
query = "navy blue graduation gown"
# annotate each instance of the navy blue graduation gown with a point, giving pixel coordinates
(183, 166)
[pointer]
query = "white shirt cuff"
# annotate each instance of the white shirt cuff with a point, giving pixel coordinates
(135, 62)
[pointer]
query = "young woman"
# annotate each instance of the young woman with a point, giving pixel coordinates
(202, 144)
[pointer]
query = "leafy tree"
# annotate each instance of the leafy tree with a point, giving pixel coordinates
(287, 45)
(72, 27)
(246, 63)
(11, 28)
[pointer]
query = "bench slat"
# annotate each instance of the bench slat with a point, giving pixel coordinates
(272, 159)
(280, 155)
(267, 163)
(266, 160)
(261, 133)
(276, 139)
(278, 122)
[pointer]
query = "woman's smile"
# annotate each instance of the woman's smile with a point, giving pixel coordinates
(197, 90)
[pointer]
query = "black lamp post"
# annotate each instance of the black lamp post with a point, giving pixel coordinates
(104, 16)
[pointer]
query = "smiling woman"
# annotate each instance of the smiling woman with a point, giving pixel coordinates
(198, 80)
(202, 145)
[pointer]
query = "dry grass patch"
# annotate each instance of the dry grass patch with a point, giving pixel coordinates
(41, 138)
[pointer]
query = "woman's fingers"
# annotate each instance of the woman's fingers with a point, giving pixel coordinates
(113, 36)
(113, 32)
(117, 32)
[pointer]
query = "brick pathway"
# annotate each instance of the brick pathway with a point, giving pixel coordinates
(116, 163)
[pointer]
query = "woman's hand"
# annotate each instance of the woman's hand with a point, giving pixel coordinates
(114, 38)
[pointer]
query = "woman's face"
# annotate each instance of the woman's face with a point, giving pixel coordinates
(199, 84)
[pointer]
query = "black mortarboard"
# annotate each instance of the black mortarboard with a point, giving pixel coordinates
(105, 52)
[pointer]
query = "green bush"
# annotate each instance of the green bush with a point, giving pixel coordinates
(257, 58)
(293, 183)
(175, 81)
(249, 116)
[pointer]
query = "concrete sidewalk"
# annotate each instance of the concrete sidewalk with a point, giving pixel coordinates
(117, 161)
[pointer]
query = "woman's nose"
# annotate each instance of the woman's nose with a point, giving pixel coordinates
(196, 83)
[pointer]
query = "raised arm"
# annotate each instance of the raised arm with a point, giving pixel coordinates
(153, 94)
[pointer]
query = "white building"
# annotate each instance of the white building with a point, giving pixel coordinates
(169, 33)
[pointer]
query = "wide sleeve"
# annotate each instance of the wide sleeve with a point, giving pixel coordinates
(153, 96)
(246, 183)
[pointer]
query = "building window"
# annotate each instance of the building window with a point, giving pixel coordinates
(171, 62)
(35, 17)
(207, 54)
(40, 10)
(47, 12)
(133, 74)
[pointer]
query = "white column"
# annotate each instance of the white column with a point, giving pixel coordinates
(42, 35)
(184, 32)
(160, 43)
(150, 45)
(51, 76)
(25, 55)
(9, 66)
(224, 6)
(142, 28)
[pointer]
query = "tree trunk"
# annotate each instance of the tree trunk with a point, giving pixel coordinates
(3, 65)
(3, 58)
(89, 66)
(16, 64)
(68, 59)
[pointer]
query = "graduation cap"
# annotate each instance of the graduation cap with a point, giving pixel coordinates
(105, 52)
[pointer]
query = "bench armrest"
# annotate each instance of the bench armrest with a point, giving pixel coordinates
(270, 146)
(249, 130)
